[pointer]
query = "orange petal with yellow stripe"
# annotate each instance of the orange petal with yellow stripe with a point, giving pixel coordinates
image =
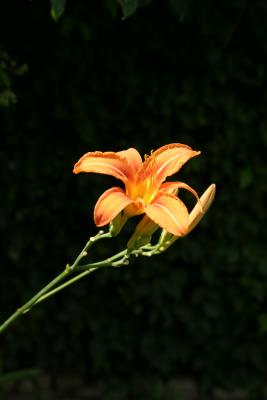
(169, 213)
(171, 187)
(168, 160)
(133, 157)
(108, 163)
(109, 205)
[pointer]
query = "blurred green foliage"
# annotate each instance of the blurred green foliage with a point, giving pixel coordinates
(57, 8)
(176, 71)
(8, 70)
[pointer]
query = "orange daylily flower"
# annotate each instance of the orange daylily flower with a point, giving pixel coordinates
(146, 191)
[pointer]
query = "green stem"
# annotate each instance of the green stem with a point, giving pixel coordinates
(91, 241)
(60, 287)
(29, 303)
(48, 288)
(87, 269)
(108, 261)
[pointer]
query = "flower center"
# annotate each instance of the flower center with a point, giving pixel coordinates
(142, 189)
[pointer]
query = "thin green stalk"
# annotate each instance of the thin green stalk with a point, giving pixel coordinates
(108, 261)
(101, 235)
(60, 287)
(87, 269)
(29, 303)
(48, 288)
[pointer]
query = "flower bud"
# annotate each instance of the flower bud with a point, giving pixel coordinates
(143, 233)
(198, 212)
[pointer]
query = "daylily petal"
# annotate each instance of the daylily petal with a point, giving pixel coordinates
(109, 205)
(167, 160)
(135, 208)
(133, 157)
(198, 212)
(169, 213)
(170, 187)
(108, 163)
(146, 226)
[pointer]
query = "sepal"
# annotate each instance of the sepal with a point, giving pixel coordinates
(117, 224)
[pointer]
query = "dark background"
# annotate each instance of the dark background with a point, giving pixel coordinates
(178, 71)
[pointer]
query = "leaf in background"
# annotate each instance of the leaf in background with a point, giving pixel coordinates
(8, 70)
(181, 7)
(111, 6)
(16, 376)
(128, 7)
(245, 177)
(262, 322)
(57, 8)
